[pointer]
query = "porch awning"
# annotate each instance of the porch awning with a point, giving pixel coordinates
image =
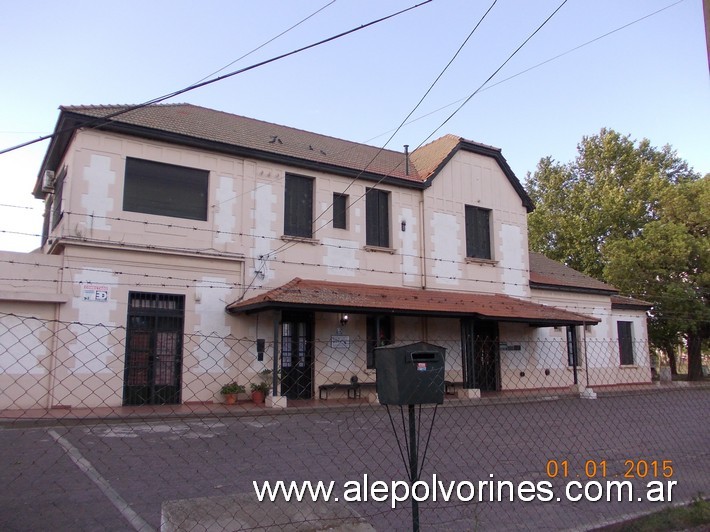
(326, 296)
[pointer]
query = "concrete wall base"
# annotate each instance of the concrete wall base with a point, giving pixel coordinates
(278, 401)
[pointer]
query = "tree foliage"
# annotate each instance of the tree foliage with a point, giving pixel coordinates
(637, 217)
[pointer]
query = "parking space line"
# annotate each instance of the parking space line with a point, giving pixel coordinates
(85, 466)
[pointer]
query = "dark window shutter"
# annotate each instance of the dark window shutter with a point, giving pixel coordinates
(572, 355)
(340, 205)
(298, 206)
(478, 232)
(626, 348)
(165, 189)
(377, 218)
(57, 210)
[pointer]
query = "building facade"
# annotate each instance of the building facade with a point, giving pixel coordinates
(185, 247)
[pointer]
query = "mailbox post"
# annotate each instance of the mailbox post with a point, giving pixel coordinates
(411, 375)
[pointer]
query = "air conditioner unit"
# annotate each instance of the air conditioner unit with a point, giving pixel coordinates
(48, 181)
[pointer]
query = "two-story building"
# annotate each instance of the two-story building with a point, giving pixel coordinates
(185, 247)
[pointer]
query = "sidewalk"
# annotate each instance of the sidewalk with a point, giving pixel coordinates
(66, 416)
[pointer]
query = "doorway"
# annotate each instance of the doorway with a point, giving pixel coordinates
(153, 364)
(480, 354)
(297, 355)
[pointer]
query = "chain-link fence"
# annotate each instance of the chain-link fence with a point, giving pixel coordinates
(115, 428)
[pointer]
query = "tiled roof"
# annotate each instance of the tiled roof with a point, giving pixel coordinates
(234, 130)
(547, 273)
(333, 296)
(186, 122)
(429, 157)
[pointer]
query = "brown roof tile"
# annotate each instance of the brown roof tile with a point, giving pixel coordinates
(238, 135)
(429, 157)
(547, 273)
(353, 297)
(234, 130)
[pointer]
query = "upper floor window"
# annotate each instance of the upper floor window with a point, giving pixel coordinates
(478, 232)
(298, 206)
(626, 346)
(377, 218)
(165, 189)
(57, 210)
(340, 209)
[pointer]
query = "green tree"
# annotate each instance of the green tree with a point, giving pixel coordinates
(669, 264)
(621, 193)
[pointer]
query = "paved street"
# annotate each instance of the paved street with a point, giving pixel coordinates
(115, 476)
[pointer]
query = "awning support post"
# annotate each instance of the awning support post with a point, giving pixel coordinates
(275, 372)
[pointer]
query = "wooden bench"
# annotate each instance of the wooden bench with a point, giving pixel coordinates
(354, 388)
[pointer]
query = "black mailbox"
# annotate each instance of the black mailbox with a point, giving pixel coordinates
(410, 374)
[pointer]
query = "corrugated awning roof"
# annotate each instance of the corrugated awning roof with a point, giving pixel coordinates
(327, 296)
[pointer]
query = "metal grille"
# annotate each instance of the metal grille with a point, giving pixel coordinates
(199, 464)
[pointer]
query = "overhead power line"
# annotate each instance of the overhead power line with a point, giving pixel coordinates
(268, 41)
(381, 149)
(287, 246)
(495, 72)
(537, 65)
(104, 119)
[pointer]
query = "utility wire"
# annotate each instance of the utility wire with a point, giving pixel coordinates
(104, 119)
(537, 65)
(284, 247)
(267, 42)
(402, 123)
(468, 99)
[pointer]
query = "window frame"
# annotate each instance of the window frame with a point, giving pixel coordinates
(572, 346)
(340, 210)
(298, 206)
(57, 210)
(377, 218)
(625, 336)
(164, 189)
(154, 350)
(479, 244)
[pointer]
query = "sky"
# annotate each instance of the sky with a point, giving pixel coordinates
(650, 79)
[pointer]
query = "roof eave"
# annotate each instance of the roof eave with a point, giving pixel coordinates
(233, 149)
(63, 133)
(575, 289)
(631, 306)
(270, 305)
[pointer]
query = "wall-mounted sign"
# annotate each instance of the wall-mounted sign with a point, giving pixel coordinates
(504, 346)
(95, 292)
(340, 342)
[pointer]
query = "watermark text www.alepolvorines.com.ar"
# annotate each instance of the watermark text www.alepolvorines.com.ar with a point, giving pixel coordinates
(434, 489)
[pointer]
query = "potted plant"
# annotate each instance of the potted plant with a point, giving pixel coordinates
(230, 392)
(259, 391)
(265, 375)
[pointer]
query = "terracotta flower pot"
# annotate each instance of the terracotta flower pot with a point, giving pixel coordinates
(258, 396)
(230, 398)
